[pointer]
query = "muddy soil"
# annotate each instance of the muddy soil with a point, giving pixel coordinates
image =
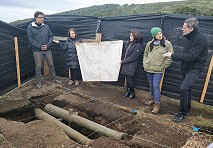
(101, 103)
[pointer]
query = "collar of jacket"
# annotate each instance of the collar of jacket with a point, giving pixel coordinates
(34, 24)
(72, 39)
(191, 34)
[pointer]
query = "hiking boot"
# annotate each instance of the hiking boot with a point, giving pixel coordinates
(38, 85)
(156, 108)
(150, 102)
(77, 83)
(180, 117)
(70, 82)
(175, 113)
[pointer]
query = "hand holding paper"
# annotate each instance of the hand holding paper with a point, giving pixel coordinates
(168, 54)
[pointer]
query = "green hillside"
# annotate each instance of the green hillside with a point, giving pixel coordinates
(193, 7)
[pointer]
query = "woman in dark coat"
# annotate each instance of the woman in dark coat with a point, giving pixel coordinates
(132, 51)
(72, 57)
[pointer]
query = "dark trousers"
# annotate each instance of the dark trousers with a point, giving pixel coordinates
(75, 74)
(38, 57)
(129, 81)
(186, 90)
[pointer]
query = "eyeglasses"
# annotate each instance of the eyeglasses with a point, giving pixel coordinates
(40, 17)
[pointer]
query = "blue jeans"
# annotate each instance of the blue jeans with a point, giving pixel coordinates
(186, 90)
(154, 84)
(38, 57)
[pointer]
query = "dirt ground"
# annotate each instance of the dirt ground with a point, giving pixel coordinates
(104, 104)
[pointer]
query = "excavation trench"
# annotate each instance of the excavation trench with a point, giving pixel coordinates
(94, 112)
(100, 104)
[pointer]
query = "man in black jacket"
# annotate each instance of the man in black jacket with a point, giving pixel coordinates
(193, 59)
(40, 38)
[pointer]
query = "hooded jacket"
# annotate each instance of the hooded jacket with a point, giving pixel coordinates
(130, 61)
(38, 36)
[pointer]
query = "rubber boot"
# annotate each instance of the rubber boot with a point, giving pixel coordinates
(132, 93)
(128, 92)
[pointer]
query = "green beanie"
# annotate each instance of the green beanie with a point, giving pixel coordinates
(155, 30)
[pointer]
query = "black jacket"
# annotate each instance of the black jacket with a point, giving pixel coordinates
(130, 61)
(194, 53)
(39, 36)
(71, 53)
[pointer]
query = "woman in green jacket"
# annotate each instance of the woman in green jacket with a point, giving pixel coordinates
(154, 64)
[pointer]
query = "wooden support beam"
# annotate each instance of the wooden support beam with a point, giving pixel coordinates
(98, 37)
(207, 80)
(46, 68)
(69, 74)
(161, 81)
(17, 62)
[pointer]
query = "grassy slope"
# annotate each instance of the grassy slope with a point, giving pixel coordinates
(116, 10)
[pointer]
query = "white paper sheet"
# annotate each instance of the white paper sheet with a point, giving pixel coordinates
(100, 61)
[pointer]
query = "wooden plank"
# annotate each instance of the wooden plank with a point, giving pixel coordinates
(69, 74)
(17, 62)
(161, 81)
(46, 68)
(60, 38)
(98, 37)
(125, 83)
(207, 80)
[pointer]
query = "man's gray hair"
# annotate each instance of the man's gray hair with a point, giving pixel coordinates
(192, 22)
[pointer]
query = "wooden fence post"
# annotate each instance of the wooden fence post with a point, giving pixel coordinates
(207, 80)
(17, 62)
(98, 37)
(69, 73)
(46, 68)
(161, 81)
(125, 83)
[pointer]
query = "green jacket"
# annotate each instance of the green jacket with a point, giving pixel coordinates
(153, 61)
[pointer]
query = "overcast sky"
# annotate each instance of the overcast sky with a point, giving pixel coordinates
(11, 10)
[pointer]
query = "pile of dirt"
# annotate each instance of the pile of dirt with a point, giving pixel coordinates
(34, 134)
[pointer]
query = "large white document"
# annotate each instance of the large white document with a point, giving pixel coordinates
(99, 61)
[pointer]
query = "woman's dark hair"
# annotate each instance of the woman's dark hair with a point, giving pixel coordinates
(137, 36)
(37, 13)
(162, 43)
(68, 34)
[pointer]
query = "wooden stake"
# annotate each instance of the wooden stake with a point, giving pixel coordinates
(69, 74)
(17, 62)
(207, 80)
(46, 68)
(125, 82)
(98, 37)
(161, 81)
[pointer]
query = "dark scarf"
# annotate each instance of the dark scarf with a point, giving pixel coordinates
(162, 43)
(39, 25)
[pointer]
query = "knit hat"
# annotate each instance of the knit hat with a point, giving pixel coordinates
(155, 30)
